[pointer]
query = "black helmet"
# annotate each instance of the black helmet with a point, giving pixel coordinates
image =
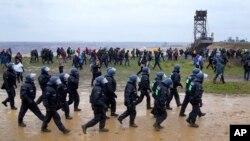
(200, 77)
(100, 80)
(196, 71)
(30, 77)
(160, 75)
(45, 69)
(64, 76)
(111, 71)
(177, 68)
(10, 67)
(74, 71)
(133, 78)
(168, 82)
(145, 70)
(54, 81)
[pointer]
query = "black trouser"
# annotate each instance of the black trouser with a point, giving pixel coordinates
(131, 112)
(185, 103)
(40, 98)
(65, 107)
(112, 103)
(174, 92)
(161, 115)
(195, 112)
(52, 113)
(19, 76)
(99, 116)
(33, 107)
(127, 62)
(158, 64)
(94, 75)
(11, 97)
(144, 93)
(74, 97)
(105, 63)
(61, 69)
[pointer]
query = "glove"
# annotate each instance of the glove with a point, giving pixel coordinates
(201, 104)
(115, 95)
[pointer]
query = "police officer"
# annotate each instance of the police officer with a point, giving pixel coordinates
(9, 84)
(28, 95)
(176, 78)
(98, 105)
(186, 100)
(43, 79)
(130, 98)
(196, 91)
(63, 91)
(109, 90)
(157, 60)
(161, 96)
(155, 83)
(73, 83)
(144, 87)
(51, 102)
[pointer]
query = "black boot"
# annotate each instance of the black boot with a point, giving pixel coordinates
(84, 129)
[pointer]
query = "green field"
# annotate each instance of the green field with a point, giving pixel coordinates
(233, 74)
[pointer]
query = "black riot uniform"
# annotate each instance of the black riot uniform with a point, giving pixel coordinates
(28, 95)
(63, 91)
(109, 90)
(51, 102)
(98, 105)
(161, 97)
(73, 83)
(176, 78)
(144, 87)
(9, 84)
(196, 91)
(130, 98)
(43, 79)
(187, 96)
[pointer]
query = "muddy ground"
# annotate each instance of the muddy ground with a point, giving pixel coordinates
(221, 112)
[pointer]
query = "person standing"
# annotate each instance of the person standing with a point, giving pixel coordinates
(176, 78)
(127, 58)
(109, 90)
(95, 68)
(73, 83)
(43, 79)
(161, 96)
(186, 100)
(63, 91)
(98, 105)
(130, 101)
(61, 64)
(18, 67)
(157, 60)
(9, 84)
(196, 89)
(28, 95)
(51, 102)
(144, 87)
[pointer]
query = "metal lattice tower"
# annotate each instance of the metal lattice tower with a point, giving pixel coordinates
(200, 23)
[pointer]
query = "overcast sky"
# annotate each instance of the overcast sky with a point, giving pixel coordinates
(120, 20)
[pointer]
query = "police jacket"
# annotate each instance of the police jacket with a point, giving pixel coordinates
(130, 93)
(62, 91)
(28, 92)
(9, 80)
(196, 91)
(51, 97)
(154, 86)
(188, 82)
(161, 95)
(96, 97)
(43, 79)
(145, 83)
(176, 78)
(73, 82)
(110, 88)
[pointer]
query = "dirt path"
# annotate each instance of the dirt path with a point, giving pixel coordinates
(221, 112)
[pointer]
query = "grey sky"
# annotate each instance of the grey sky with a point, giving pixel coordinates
(119, 20)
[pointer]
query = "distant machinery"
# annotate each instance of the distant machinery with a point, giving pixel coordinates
(201, 40)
